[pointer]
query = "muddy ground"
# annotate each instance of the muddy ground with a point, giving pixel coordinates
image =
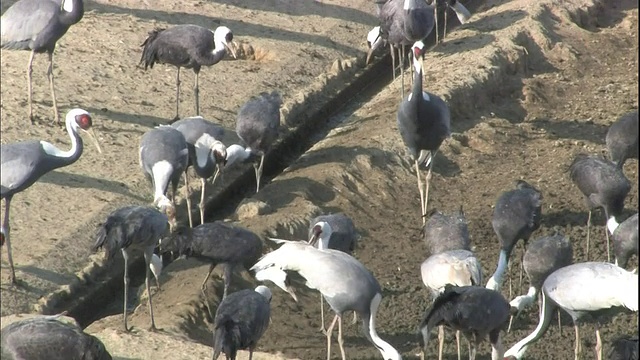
(529, 86)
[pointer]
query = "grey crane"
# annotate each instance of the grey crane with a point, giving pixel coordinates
(542, 257)
(624, 348)
(603, 185)
(187, 46)
(475, 311)
(571, 289)
(47, 337)
(444, 232)
(462, 13)
(424, 123)
(216, 243)
(241, 320)
(453, 267)
(625, 239)
(37, 25)
(333, 231)
(516, 216)
(128, 228)
(164, 157)
(23, 163)
(207, 154)
(343, 281)
(622, 139)
(257, 125)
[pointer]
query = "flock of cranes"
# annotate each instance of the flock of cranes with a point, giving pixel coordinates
(452, 272)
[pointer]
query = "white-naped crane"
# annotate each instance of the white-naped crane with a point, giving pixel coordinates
(23, 163)
(588, 291)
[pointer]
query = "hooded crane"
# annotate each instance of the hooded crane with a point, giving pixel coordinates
(622, 139)
(603, 186)
(624, 348)
(542, 257)
(133, 227)
(337, 232)
(516, 216)
(424, 123)
(37, 25)
(23, 163)
(47, 337)
(571, 289)
(241, 320)
(207, 154)
(475, 311)
(216, 243)
(454, 267)
(462, 13)
(257, 126)
(444, 232)
(344, 282)
(624, 238)
(187, 46)
(164, 157)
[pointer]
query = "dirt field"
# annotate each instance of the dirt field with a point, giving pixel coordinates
(530, 85)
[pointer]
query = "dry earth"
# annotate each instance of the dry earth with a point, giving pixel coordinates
(530, 85)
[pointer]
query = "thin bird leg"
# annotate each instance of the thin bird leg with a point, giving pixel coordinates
(458, 342)
(578, 348)
(598, 343)
(510, 278)
(5, 225)
(427, 180)
(177, 94)
(56, 116)
(29, 87)
(559, 322)
(524, 250)
(201, 206)
(606, 233)
(228, 272)
(341, 340)
(355, 318)
(259, 172)
(402, 70)
(147, 258)
(322, 329)
(126, 286)
(420, 189)
(251, 353)
(188, 197)
(435, 16)
(474, 345)
(329, 331)
(440, 341)
(203, 287)
(444, 31)
(196, 92)
(497, 349)
(588, 230)
(393, 60)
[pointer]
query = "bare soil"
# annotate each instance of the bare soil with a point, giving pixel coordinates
(530, 85)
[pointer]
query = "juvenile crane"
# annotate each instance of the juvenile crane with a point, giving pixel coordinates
(46, 337)
(622, 139)
(424, 123)
(516, 216)
(23, 163)
(343, 281)
(257, 125)
(625, 239)
(475, 311)
(37, 25)
(571, 289)
(128, 228)
(603, 185)
(187, 46)
(241, 320)
(444, 232)
(207, 154)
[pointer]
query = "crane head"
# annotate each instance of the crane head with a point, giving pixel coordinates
(320, 234)
(166, 206)
(264, 291)
(374, 41)
(80, 120)
(223, 37)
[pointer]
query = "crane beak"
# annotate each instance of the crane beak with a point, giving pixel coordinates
(231, 46)
(314, 240)
(292, 292)
(376, 44)
(93, 137)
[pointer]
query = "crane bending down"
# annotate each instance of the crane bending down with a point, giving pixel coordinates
(344, 282)
(624, 238)
(622, 139)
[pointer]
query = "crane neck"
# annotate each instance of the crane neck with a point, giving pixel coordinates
(416, 90)
(161, 173)
(520, 348)
(72, 11)
(495, 281)
(387, 351)
(218, 53)
(65, 157)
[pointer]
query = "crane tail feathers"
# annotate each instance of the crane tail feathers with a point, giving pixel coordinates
(148, 58)
(108, 238)
(226, 338)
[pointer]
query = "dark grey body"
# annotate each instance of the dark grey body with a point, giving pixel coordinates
(164, 144)
(258, 122)
(241, 320)
(622, 138)
(624, 348)
(44, 337)
(192, 128)
(625, 240)
(344, 235)
(546, 255)
(446, 232)
(402, 27)
(601, 182)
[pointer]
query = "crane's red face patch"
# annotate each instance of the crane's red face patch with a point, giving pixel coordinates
(317, 230)
(417, 52)
(229, 37)
(1, 238)
(84, 121)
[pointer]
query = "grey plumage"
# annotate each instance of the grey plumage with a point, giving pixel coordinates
(216, 243)
(603, 186)
(45, 337)
(462, 13)
(37, 25)
(622, 139)
(444, 232)
(424, 123)
(516, 216)
(257, 125)
(241, 320)
(132, 227)
(23, 163)
(187, 46)
(474, 310)
(624, 348)
(625, 240)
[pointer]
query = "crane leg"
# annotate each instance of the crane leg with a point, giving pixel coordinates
(177, 95)
(524, 250)
(474, 345)
(402, 70)
(5, 226)
(559, 323)
(510, 280)
(56, 116)
(259, 172)
(588, 230)
(251, 353)
(29, 86)
(420, 189)
(458, 342)
(435, 17)
(355, 318)
(444, 30)
(322, 329)
(341, 340)
(497, 350)
(201, 205)
(188, 198)
(598, 343)
(203, 287)
(427, 180)
(606, 234)
(228, 272)
(329, 331)
(578, 349)
(440, 341)
(393, 61)
(147, 258)
(126, 287)
(196, 92)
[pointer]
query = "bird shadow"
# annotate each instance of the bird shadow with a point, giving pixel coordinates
(43, 274)
(585, 130)
(78, 181)
(467, 43)
(145, 120)
(496, 21)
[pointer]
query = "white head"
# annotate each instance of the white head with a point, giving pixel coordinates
(373, 36)
(418, 55)
(264, 291)
(80, 120)
(166, 207)
(236, 152)
(207, 145)
(67, 5)
(321, 231)
(223, 39)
